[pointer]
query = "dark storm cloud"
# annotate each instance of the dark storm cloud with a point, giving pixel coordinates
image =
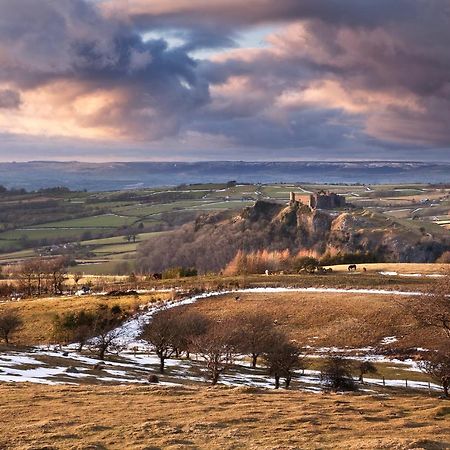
(9, 99)
(50, 41)
(338, 73)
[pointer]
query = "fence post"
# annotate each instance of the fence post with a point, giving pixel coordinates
(384, 381)
(406, 383)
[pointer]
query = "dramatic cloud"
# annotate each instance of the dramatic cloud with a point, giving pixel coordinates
(354, 76)
(9, 99)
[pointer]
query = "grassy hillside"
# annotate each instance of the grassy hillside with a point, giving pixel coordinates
(37, 314)
(328, 319)
(221, 418)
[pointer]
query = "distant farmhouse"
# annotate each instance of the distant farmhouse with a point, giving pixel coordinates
(319, 200)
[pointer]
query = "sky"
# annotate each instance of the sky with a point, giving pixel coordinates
(108, 80)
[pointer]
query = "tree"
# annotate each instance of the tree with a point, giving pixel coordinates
(106, 330)
(216, 347)
(365, 367)
(189, 326)
(437, 365)
(432, 311)
(256, 334)
(56, 269)
(336, 374)
(74, 327)
(10, 322)
(161, 333)
(282, 358)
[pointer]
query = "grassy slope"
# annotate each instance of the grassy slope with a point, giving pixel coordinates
(220, 418)
(37, 314)
(327, 319)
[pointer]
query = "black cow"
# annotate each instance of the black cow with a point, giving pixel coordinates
(351, 267)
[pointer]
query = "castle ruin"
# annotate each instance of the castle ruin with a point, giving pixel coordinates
(318, 200)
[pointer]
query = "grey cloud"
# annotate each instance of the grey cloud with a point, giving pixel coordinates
(9, 99)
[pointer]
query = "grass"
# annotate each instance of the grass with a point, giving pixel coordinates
(402, 268)
(37, 314)
(145, 417)
(103, 221)
(327, 319)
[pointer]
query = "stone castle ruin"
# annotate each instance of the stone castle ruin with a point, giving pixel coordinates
(318, 200)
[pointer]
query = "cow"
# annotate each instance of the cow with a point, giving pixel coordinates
(351, 267)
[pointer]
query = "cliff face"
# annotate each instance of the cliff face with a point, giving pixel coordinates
(213, 240)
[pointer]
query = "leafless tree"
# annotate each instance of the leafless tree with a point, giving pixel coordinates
(106, 330)
(282, 358)
(255, 334)
(365, 367)
(432, 310)
(437, 365)
(56, 270)
(10, 322)
(336, 374)
(162, 332)
(189, 326)
(216, 347)
(74, 327)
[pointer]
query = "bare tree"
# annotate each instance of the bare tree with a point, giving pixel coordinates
(336, 374)
(162, 333)
(74, 327)
(432, 310)
(106, 330)
(282, 358)
(256, 334)
(10, 322)
(437, 365)
(56, 270)
(189, 326)
(216, 347)
(365, 367)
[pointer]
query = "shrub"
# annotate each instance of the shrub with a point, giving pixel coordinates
(10, 322)
(336, 374)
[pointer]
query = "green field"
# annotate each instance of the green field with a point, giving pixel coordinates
(105, 229)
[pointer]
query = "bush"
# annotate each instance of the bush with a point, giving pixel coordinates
(10, 322)
(179, 272)
(336, 374)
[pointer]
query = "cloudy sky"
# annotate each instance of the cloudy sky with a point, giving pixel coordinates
(224, 79)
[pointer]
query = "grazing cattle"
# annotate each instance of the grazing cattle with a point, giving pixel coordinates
(351, 267)
(364, 269)
(157, 276)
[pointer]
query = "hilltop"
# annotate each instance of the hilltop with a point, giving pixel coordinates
(213, 240)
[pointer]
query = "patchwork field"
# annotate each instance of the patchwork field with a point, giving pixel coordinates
(62, 222)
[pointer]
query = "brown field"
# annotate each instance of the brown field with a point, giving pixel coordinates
(118, 417)
(37, 314)
(399, 268)
(327, 319)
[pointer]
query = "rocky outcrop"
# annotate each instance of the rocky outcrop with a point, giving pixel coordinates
(213, 240)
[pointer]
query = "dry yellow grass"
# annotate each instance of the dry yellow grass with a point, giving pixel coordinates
(408, 268)
(143, 417)
(37, 314)
(327, 319)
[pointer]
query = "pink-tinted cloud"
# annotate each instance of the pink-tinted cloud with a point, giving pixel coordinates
(345, 74)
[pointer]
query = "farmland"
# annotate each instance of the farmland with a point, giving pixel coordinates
(361, 316)
(101, 231)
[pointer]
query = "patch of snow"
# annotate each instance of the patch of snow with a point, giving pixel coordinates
(388, 340)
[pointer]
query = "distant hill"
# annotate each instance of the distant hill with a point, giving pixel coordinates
(130, 175)
(213, 240)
